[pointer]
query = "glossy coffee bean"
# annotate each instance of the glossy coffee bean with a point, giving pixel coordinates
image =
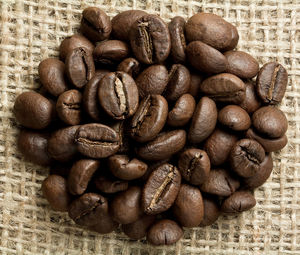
(55, 190)
(211, 211)
(251, 102)
(271, 83)
(161, 189)
(204, 120)
(130, 66)
(238, 202)
(150, 39)
(109, 184)
(32, 110)
(194, 166)
(196, 80)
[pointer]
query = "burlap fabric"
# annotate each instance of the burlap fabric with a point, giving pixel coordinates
(32, 30)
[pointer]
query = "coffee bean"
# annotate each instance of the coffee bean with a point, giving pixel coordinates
(196, 80)
(59, 168)
(241, 64)
(204, 120)
(118, 95)
(122, 129)
(161, 189)
(32, 110)
(152, 166)
(224, 87)
(271, 83)
(130, 66)
(270, 122)
(80, 67)
(188, 206)
(164, 232)
(109, 184)
(205, 58)
(150, 39)
(54, 189)
(149, 118)
(163, 146)
(238, 202)
(194, 166)
(105, 225)
(211, 211)
(251, 102)
(95, 24)
(234, 117)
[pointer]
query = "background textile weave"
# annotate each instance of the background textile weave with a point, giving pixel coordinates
(31, 30)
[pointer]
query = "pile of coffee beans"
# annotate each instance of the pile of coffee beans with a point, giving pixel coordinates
(151, 126)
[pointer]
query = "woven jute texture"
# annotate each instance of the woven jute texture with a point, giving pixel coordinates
(32, 30)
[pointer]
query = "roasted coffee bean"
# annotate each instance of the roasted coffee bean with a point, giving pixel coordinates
(220, 183)
(194, 166)
(163, 146)
(68, 107)
(270, 122)
(96, 140)
(125, 207)
(182, 111)
(122, 129)
(149, 118)
(105, 225)
(152, 166)
(81, 174)
(150, 39)
(196, 80)
(95, 24)
(245, 157)
(224, 87)
(109, 184)
(234, 117)
(178, 42)
(271, 83)
(238, 202)
(118, 95)
(124, 168)
(241, 64)
(161, 189)
(33, 145)
(269, 145)
(211, 211)
(51, 74)
(55, 190)
(110, 52)
(32, 110)
(204, 120)
(153, 80)
(179, 82)
(80, 67)
(205, 58)
(164, 232)
(130, 66)
(251, 102)
(212, 30)
(218, 146)
(188, 206)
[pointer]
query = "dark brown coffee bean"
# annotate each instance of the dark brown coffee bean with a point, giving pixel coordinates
(218, 146)
(205, 58)
(33, 146)
(125, 207)
(270, 121)
(245, 157)
(234, 117)
(220, 183)
(124, 168)
(161, 189)
(211, 211)
(238, 202)
(51, 73)
(196, 80)
(164, 232)
(109, 184)
(241, 64)
(150, 39)
(130, 66)
(118, 95)
(163, 146)
(271, 83)
(152, 166)
(178, 42)
(95, 24)
(251, 102)
(81, 174)
(105, 225)
(122, 129)
(212, 30)
(55, 190)
(224, 87)
(204, 120)
(96, 140)
(32, 110)
(153, 80)
(182, 111)
(194, 166)
(188, 206)
(80, 67)
(149, 118)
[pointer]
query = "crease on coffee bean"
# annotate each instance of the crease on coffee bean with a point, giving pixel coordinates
(141, 118)
(122, 96)
(231, 188)
(143, 28)
(192, 164)
(96, 143)
(83, 58)
(272, 83)
(89, 210)
(72, 106)
(247, 153)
